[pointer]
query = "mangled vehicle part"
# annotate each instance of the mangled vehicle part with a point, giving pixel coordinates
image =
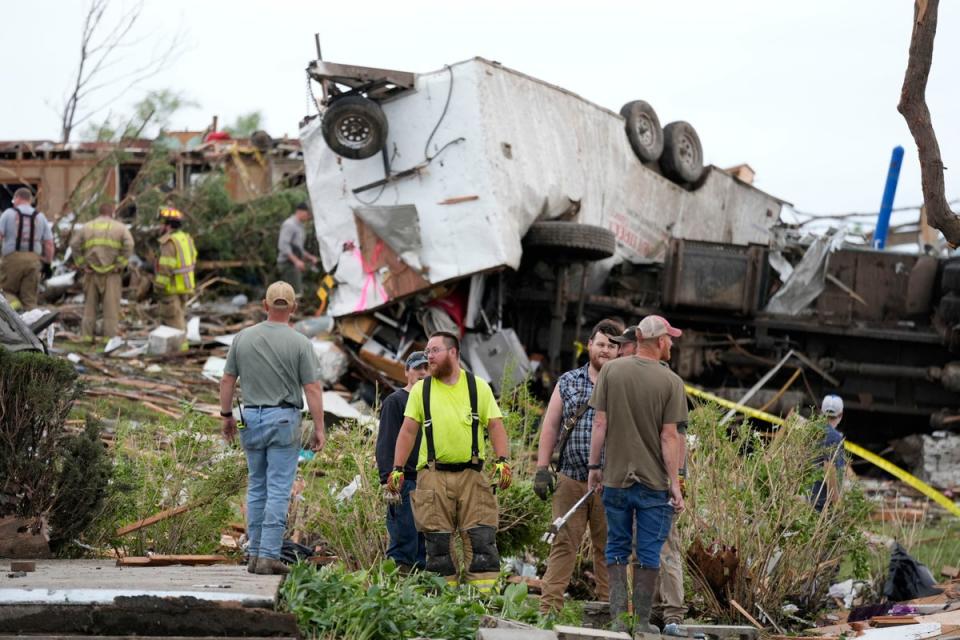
(460, 166)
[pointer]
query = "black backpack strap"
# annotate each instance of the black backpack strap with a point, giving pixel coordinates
(33, 227)
(428, 423)
(474, 418)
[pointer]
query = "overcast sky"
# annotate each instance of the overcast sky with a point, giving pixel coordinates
(805, 92)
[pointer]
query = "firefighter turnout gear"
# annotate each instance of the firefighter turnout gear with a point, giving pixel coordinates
(175, 277)
(102, 249)
(453, 494)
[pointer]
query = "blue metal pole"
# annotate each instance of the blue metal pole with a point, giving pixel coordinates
(889, 191)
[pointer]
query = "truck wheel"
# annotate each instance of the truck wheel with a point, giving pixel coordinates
(570, 241)
(682, 159)
(950, 278)
(355, 127)
(949, 308)
(643, 130)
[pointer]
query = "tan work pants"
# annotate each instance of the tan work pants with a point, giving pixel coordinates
(668, 598)
(20, 277)
(445, 502)
(172, 311)
(563, 553)
(101, 291)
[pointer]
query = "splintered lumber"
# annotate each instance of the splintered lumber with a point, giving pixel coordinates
(154, 519)
(167, 560)
(745, 614)
(891, 621)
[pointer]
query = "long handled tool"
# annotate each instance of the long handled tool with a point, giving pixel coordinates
(554, 529)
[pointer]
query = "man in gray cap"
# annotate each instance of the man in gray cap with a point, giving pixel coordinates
(832, 454)
(407, 545)
(627, 341)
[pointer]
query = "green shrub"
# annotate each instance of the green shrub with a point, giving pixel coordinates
(168, 464)
(36, 393)
(383, 604)
(752, 494)
(85, 474)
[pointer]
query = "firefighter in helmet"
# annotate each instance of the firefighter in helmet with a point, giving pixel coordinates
(175, 279)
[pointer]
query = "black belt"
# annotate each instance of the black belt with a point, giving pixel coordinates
(282, 405)
(456, 467)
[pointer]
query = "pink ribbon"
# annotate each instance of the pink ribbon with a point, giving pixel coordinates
(371, 277)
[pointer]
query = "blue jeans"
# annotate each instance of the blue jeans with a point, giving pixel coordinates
(652, 514)
(406, 546)
(271, 440)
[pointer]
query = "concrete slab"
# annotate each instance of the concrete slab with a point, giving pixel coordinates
(515, 634)
(586, 633)
(101, 582)
(720, 632)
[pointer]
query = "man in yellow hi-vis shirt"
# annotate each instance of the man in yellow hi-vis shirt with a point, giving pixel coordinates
(175, 278)
(102, 249)
(452, 493)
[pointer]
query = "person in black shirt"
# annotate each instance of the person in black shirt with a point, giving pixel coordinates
(406, 543)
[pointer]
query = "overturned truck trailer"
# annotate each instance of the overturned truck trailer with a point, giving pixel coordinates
(548, 212)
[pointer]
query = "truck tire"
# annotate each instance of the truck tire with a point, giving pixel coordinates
(570, 241)
(949, 308)
(950, 278)
(354, 127)
(682, 159)
(643, 130)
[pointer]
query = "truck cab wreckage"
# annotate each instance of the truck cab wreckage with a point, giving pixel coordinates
(523, 213)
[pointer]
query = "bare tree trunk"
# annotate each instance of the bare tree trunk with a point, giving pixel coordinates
(913, 106)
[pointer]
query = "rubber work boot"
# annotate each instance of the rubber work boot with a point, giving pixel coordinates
(271, 566)
(252, 564)
(644, 582)
(618, 596)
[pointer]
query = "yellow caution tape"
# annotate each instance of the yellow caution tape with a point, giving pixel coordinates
(855, 449)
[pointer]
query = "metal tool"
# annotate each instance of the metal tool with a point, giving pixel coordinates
(554, 529)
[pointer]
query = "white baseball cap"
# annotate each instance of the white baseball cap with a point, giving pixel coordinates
(832, 406)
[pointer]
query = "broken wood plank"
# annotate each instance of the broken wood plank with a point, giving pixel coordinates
(154, 519)
(950, 572)
(898, 515)
(891, 621)
(168, 560)
(167, 412)
(745, 614)
(459, 199)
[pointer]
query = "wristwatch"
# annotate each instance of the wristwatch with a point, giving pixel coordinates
(226, 414)
(594, 467)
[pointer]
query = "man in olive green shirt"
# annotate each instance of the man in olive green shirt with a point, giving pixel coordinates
(638, 403)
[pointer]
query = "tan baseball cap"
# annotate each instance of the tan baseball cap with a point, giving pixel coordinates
(281, 294)
(656, 326)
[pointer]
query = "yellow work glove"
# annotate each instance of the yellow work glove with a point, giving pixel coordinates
(503, 474)
(395, 481)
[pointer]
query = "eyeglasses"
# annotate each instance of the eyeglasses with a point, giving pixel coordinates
(435, 350)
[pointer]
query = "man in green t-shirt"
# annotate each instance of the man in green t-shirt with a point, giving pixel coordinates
(638, 403)
(452, 493)
(276, 367)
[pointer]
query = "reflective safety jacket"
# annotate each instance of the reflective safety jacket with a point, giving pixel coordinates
(103, 245)
(178, 258)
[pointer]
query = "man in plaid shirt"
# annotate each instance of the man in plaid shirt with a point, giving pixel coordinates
(568, 403)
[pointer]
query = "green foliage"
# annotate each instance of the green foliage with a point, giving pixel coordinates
(383, 604)
(163, 465)
(523, 519)
(752, 494)
(150, 117)
(245, 124)
(36, 393)
(85, 474)
(354, 528)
